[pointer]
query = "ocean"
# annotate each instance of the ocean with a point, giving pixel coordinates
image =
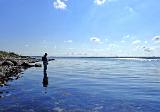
(86, 85)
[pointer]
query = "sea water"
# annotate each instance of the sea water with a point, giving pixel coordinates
(86, 85)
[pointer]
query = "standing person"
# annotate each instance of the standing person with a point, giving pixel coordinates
(45, 61)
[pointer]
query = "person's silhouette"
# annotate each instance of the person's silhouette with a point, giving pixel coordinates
(45, 81)
(45, 61)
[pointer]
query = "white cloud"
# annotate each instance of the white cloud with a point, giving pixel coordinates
(138, 47)
(60, 4)
(130, 10)
(126, 37)
(147, 49)
(146, 42)
(95, 40)
(99, 2)
(136, 42)
(68, 41)
(156, 39)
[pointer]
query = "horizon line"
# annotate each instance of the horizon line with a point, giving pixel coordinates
(145, 57)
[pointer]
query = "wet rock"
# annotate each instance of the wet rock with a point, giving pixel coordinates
(32, 61)
(27, 65)
(11, 67)
(7, 63)
(1, 62)
(38, 65)
(1, 74)
(19, 62)
(15, 70)
(14, 61)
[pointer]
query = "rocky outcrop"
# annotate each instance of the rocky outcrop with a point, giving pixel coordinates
(20, 62)
(27, 65)
(7, 63)
(12, 67)
(8, 73)
(15, 63)
(38, 65)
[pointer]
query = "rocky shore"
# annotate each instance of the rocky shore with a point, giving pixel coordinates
(12, 66)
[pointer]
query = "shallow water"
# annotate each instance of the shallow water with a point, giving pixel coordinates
(86, 85)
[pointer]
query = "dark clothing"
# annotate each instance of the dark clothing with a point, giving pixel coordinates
(44, 59)
(45, 62)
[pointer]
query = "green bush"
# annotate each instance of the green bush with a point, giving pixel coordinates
(4, 54)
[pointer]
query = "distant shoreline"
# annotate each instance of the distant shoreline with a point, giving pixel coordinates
(100, 57)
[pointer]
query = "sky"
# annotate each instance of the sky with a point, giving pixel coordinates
(80, 27)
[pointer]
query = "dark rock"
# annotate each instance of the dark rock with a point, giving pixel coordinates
(32, 61)
(15, 70)
(7, 63)
(26, 65)
(37, 60)
(38, 65)
(13, 61)
(11, 67)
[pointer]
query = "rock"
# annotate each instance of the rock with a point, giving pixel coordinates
(1, 62)
(1, 74)
(26, 65)
(7, 63)
(13, 61)
(32, 61)
(19, 63)
(38, 65)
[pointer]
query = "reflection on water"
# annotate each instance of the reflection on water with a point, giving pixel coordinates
(86, 85)
(45, 80)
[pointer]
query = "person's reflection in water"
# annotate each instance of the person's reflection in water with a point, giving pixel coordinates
(45, 81)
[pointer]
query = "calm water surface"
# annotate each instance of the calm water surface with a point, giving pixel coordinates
(86, 85)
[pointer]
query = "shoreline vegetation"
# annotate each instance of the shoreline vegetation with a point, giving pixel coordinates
(12, 64)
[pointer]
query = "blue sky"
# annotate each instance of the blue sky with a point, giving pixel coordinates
(80, 27)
